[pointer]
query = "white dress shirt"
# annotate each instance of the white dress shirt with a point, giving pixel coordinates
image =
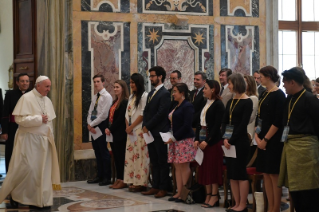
(103, 107)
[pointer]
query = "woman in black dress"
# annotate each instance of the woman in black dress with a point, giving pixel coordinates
(268, 136)
(236, 118)
(117, 128)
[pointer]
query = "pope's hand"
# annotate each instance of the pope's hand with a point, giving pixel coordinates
(44, 119)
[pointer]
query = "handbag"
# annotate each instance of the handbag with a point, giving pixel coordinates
(194, 194)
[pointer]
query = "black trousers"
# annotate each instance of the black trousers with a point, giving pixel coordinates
(160, 168)
(102, 155)
(12, 129)
(306, 200)
(118, 149)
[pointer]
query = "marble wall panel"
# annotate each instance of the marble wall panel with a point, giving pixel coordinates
(240, 48)
(239, 8)
(105, 50)
(187, 49)
(122, 6)
(189, 7)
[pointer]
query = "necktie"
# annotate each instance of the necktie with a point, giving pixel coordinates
(221, 92)
(195, 94)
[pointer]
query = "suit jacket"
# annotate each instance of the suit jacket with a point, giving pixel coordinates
(118, 126)
(155, 115)
(226, 96)
(214, 117)
(260, 89)
(197, 103)
(182, 122)
(136, 112)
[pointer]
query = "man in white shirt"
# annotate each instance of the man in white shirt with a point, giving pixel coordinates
(97, 119)
(260, 88)
(223, 79)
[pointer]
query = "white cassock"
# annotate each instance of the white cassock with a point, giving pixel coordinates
(34, 169)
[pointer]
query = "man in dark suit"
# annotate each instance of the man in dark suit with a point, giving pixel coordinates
(260, 88)
(175, 77)
(196, 96)
(155, 120)
(9, 126)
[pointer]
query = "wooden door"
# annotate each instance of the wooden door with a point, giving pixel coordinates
(24, 33)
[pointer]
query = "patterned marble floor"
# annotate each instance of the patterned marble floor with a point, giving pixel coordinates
(82, 197)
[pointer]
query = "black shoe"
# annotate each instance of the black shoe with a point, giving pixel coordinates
(105, 182)
(13, 203)
(172, 199)
(179, 200)
(47, 208)
(95, 180)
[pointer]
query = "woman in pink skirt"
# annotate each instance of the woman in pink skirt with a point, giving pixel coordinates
(209, 139)
(181, 150)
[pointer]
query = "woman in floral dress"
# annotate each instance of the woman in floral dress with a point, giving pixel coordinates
(181, 146)
(136, 167)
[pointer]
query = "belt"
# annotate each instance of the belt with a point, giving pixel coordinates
(11, 118)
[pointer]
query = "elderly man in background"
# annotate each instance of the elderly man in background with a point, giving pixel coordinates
(34, 169)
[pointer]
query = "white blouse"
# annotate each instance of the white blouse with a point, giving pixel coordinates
(204, 111)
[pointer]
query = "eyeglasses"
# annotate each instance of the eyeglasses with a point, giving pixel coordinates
(151, 76)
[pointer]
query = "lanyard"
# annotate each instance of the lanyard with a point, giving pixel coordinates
(231, 110)
(132, 103)
(150, 98)
(290, 110)
(262, 100)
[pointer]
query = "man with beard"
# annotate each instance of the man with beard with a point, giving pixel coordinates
(196, 96)
(155, 120)
(9, 126)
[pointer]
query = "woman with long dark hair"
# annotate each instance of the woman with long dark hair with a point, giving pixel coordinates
(209, 139)
(137, 160)
(117, 129)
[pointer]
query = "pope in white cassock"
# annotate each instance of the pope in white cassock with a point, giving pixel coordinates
(34, 170)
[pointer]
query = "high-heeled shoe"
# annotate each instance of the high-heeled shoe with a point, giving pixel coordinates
(205, 204)
(245, 210)
(216, 204)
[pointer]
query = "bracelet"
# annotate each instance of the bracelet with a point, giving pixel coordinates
(266, 139)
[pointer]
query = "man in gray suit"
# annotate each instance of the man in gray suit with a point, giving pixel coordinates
(260, 88)
(224, 91)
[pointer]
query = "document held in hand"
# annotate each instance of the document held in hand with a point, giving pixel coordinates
(166, 136)
(109, 138)
(133, 137)
(148, 138)
(230, 153)
(199, 156)
(97, 134)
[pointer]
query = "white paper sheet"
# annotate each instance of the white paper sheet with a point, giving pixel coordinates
(133, 137)
(231, 153)
(148, 138)
(97, 134)
(199, 156)
(254, 142)
(109, 138)
(166, 136)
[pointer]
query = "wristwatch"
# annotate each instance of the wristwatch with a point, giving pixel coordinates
(266, 139)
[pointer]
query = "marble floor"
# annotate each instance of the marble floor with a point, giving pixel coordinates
(81, 197)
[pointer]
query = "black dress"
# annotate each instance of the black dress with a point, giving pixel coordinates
(236, 167)
(271, 113)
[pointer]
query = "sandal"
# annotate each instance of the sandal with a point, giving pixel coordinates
(215, 204)
(205, 204)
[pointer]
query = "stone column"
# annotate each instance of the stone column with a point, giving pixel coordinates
(272, 33)
(55, 59)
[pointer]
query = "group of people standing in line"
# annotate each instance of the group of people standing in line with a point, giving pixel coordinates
(251, 108)
(238, 111)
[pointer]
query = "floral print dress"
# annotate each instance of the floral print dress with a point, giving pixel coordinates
(182, 151)
(137, 161)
